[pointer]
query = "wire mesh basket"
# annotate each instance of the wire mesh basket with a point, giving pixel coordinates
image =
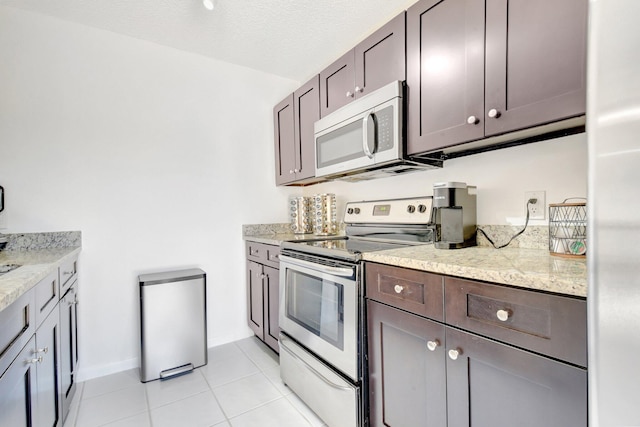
(568, 229)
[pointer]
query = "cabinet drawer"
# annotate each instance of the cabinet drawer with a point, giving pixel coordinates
(67, 272)
(548, 324)
(264, 254)
(47, 296)
(17, 325)
(415, 291)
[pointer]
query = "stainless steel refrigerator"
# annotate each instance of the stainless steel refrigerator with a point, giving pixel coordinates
(613, 133)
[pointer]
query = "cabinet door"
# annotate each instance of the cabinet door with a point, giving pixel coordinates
(380, 58)
(68, 347)
(18, 388)
(271, 303)
(48, 375)
(307, 111)
(255, 309)
(445, 73)
(337, 84)
(407, 380)
(492, 384)
(284, 141)
(536, 62)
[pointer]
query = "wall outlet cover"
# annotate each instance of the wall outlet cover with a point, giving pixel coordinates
(537, 210)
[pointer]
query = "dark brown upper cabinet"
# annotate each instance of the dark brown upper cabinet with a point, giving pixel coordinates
(376, 61)
(479, 69)
(293, 127)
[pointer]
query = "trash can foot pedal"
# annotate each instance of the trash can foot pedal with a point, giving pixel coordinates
(176, 372)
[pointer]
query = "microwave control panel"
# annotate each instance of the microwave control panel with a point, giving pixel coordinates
(384, 122)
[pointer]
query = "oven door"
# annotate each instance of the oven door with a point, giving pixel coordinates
(319, 309)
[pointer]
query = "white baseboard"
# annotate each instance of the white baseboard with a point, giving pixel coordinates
(85, 374)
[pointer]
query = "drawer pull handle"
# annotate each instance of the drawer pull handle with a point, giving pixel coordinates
(432, 345)
(503, 315)
(34, 361)
(67, 273)
(398, 288)
(454, 353)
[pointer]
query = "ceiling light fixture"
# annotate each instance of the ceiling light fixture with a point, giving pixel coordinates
(208, 4)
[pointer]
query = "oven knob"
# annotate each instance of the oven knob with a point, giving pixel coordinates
(422, 208)
(411, 209)
(356, 211)
(350, 211)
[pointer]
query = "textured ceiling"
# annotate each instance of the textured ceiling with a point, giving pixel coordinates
(290, 38)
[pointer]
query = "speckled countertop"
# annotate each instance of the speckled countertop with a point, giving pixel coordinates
(525, 263)
(274, 234)
(38, 255)
(526, 268)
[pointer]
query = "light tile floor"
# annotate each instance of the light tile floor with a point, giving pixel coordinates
(239, 387)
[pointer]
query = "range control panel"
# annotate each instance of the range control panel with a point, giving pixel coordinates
(414, 210)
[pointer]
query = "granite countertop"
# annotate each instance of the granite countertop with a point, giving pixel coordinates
(526, 268)
(526, 263)
(38, 254)
(277, 238)
(274, 234)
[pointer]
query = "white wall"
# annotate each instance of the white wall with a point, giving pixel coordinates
(557, 166)
(159, 156)
(156, 155)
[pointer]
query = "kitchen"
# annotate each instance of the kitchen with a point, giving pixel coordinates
(146, 150)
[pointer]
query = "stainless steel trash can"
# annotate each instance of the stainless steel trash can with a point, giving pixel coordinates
(173, 323)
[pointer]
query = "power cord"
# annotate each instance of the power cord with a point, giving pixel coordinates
(526, 222)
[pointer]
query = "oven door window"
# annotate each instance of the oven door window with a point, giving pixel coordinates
(317, 305)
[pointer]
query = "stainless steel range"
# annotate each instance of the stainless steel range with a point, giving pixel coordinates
(322, 343)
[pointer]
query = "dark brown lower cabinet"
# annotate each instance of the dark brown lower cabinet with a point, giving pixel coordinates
(407, 380)
(493, 384)
(263, 293)
(423, 373)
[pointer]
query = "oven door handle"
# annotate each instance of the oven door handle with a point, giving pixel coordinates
(311, 369)
(336, 271)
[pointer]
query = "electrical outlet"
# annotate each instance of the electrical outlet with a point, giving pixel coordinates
(537, 210)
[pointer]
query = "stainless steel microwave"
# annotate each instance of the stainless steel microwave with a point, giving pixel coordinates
(365, 135)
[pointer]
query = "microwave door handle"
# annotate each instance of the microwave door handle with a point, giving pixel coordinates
(369, 135)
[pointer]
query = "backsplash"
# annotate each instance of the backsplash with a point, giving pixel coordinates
(265, 229)
(534, 237)
(50, 240)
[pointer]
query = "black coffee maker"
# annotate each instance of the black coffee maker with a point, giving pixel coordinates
(454, 213)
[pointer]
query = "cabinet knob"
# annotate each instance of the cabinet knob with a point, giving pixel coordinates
(473, 120)
(296, 171)
(262, 276)
(398, 288)
(432, 345)
(503, 315)
(454, 353)
(33, 361)
(290, 171)
(350, 94)
(42, 350)
(493, 113)
(359, 89)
